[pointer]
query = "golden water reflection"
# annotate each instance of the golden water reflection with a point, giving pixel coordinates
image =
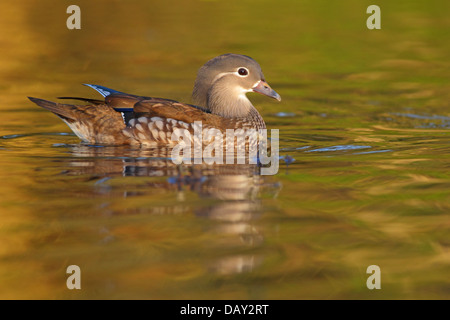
(141, 228)
(231, 193)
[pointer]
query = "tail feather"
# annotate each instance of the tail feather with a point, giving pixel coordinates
(93, 101)
(62, 110)
(93, 123)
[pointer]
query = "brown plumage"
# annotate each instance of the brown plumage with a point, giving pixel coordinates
(124, 118)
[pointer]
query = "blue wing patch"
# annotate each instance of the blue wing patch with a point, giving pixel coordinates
(104, 91)
(127, 113)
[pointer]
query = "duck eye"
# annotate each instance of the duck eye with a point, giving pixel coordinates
(243, 71)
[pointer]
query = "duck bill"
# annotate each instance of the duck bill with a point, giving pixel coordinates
(264, 88)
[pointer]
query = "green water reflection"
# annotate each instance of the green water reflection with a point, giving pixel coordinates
(365, 115)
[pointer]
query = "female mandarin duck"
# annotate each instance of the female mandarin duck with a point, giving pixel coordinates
(220, 102)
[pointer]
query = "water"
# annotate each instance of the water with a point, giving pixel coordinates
(364, 139)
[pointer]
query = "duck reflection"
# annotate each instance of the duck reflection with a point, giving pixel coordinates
(232, 193)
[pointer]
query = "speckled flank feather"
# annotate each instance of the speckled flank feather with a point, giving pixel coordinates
(154, 131)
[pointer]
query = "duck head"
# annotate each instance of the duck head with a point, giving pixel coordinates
(223, 82)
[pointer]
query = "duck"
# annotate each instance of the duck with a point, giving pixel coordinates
(219, 101)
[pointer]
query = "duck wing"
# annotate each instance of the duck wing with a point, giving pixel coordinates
(144, 106)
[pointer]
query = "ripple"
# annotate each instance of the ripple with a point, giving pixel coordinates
(287, 159)
(374, 151)
(339, 148)
(13, 136)
(294, 148)
(417, 116)
(22, 135)
(429, 121)
(61, 145)
(285, 114)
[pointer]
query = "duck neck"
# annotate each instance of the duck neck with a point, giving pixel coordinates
(228, 102)
(235, 106)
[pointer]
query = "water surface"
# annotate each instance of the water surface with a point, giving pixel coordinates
(364, 177)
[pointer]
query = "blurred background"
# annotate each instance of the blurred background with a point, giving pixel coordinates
(364, 126)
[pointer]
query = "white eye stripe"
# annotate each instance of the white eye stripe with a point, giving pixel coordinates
(222, 74)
